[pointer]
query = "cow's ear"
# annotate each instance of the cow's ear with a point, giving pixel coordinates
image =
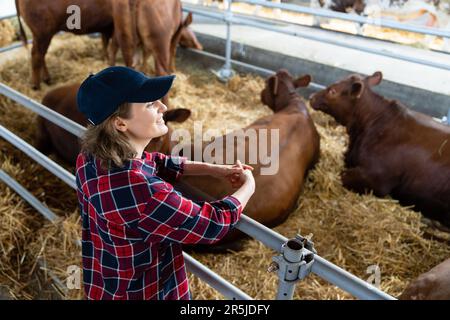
(375, 79)
(188, 19)
(357, 89)
(177, 115)
(273, 84)
(302, 81)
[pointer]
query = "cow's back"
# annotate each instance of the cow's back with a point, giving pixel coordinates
(407, 155)
(49, 16)
(157, 19)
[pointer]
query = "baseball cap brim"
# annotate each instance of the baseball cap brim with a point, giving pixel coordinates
(152, 89)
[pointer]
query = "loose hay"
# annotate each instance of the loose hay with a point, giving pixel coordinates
(57, 247)
(353, 231)
(7, 33)
(17, 220)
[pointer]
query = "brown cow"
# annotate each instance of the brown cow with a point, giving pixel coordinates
(299, 142)
(393, 150)
(188, 38)
(159, 27)
(52, 138)
(183, 35)
(433, 285)
(47, 17)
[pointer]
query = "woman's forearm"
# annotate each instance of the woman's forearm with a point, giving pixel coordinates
(195, 168)
(244, 193)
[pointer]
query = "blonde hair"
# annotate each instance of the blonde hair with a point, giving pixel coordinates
(108, 144)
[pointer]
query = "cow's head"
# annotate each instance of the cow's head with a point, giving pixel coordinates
(340, 99)
(280, 88)
(188, 38)
(163, 143)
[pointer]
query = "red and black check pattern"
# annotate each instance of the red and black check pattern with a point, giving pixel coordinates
(134, 224)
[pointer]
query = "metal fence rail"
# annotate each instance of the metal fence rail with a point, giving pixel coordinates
(43, 111)
(231, 18)
(323, 268)
(9, 16)
(13, 46)
(381, 22)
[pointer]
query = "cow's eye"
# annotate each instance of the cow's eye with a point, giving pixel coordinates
(332, 92)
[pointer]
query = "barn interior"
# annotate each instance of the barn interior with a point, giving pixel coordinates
(353, 231)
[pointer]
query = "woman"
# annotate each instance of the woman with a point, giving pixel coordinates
(134, 222)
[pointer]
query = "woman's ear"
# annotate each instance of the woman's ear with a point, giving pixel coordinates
(120, 124)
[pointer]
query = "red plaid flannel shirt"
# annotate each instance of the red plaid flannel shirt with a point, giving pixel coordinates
(134, 224)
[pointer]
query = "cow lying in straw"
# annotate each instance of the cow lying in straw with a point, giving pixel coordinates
(393, 150)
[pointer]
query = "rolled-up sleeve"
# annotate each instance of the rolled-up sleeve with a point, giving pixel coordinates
(168, 167)
(171, 217)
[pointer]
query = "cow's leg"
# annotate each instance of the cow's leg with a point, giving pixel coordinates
(36, 67)
(105, 42)
(360, 180)
(44, 48)
(161, 55)
(162, 60)
(46, 74)
(40, 46)
(172, 68)
(128, 54)
(144, 63)
(112, 51)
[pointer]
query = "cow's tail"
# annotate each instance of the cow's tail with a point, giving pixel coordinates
(23, 35)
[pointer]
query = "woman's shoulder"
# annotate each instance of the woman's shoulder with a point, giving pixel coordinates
(83, 159)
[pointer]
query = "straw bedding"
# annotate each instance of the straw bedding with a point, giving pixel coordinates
(353, 231)
(7, 33)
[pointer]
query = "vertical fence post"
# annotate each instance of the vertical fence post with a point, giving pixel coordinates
(226, 72)
(294, 264)
(277, 11)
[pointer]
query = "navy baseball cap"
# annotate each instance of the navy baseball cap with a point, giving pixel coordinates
(102, 93)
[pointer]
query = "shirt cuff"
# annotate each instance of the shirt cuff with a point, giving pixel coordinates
(234, 204)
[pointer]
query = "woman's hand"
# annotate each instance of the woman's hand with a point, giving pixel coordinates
(238, 174)
(233, 173)
(245, 182)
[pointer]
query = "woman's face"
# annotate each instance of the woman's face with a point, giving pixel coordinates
(146, 121)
